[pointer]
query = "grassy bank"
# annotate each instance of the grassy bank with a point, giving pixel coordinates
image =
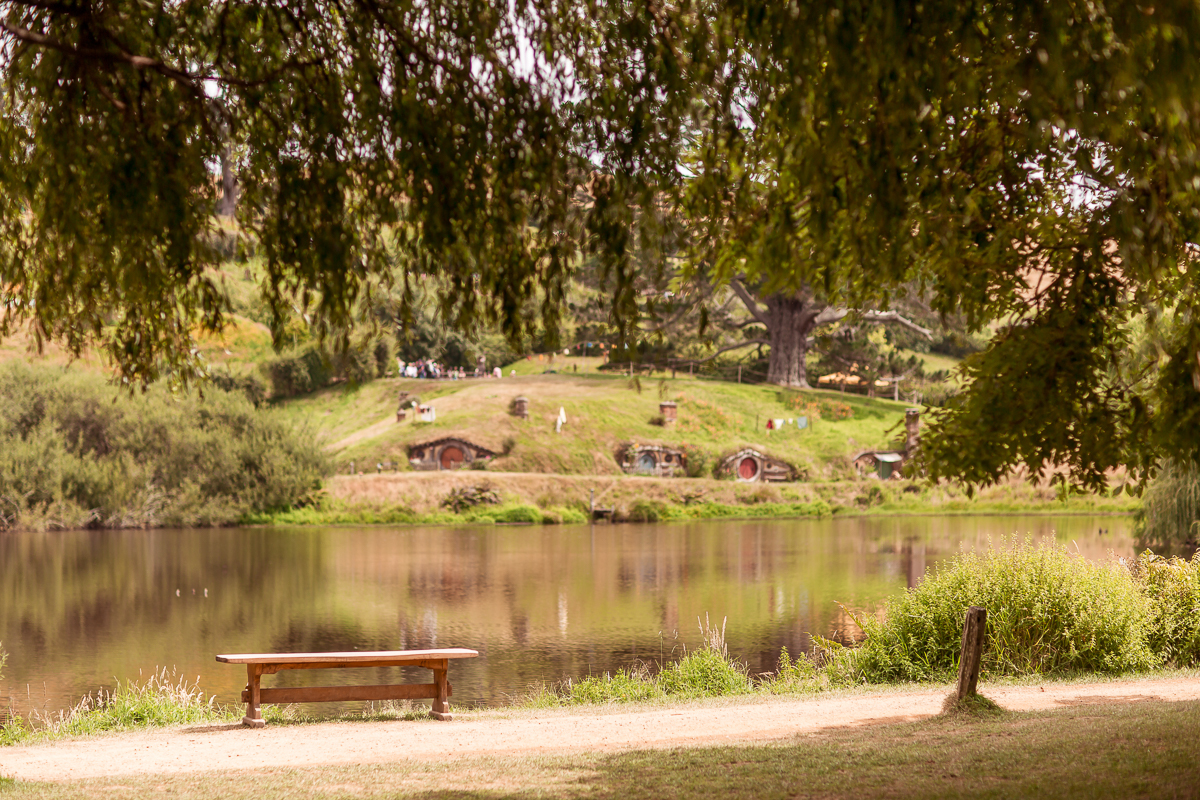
(603, 412)
(428, 498)
(1051, 612)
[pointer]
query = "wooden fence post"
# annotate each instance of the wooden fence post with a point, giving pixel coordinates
(974, 632)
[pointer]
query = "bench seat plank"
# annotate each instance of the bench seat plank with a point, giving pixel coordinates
(338, 694)
(375, 658)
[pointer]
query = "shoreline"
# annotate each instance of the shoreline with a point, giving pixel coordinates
(420, 498)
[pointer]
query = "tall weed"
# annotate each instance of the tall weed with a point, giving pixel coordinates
(164, 699)
(1170, 512)
(707, 671)
(1172, 587)
(1048, 611)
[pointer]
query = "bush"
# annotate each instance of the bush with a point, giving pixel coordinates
(464, 497)
(646, 511)
(1048, 611)
(623, 686)
(247, 385)
(704, 673)
(72, 457)
(313, 367)
(520, 513)
(1172, 586)
(793, 674)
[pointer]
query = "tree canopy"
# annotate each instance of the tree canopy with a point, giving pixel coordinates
(1032, 166)
(371, 142)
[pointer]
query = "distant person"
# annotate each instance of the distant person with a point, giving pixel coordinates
(499, 373)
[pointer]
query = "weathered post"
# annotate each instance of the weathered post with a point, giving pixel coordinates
(974, 632)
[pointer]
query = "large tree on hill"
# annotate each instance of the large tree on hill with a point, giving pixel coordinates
(792, 321)
(1034, 165)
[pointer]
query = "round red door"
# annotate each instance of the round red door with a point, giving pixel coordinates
(452, 457)
(747, 468)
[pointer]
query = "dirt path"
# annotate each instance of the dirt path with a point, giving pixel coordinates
(224, 747)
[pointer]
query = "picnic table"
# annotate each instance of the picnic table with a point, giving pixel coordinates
(259, 664)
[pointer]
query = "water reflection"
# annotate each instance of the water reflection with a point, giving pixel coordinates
(81, 609)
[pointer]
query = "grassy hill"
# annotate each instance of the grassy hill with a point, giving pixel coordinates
(603, 411)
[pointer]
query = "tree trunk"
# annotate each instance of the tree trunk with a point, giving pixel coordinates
(229, 189)
(792, 318)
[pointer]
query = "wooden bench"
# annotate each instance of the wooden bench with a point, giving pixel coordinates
(259, 664)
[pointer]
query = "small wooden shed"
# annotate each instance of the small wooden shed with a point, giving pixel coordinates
(448, 453)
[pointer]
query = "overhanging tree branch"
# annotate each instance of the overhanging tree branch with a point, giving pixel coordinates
(738, 346)
(748, 300)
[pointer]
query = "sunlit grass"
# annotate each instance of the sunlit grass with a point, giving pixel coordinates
(165, 698)
(1142, 749)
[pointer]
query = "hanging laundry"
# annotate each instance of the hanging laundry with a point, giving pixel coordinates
(802, 422)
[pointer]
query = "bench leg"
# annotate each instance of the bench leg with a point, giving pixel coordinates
(253, 718)
(441, 703)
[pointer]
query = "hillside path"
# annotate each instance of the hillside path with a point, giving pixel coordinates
(232, 747)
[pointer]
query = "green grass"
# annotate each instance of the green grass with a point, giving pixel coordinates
(1049, 610)
(1141, 749)
(934, 361)
(602, 411)
(164, 699)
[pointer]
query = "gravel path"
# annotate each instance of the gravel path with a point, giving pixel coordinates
(224, 747)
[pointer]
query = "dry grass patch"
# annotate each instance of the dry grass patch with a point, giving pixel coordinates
(1144, 749)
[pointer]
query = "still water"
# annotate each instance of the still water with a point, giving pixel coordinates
(83, 609)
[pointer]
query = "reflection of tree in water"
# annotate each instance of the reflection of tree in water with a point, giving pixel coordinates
(68, 600)
(539, 604)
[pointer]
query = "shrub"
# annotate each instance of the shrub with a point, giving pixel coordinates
(622, 686)
(871, 496)
(463, 497)
(289, 376)
(793, 674)
(249, 386)
(521, 513)
(1048, 611)
(704, 673)
(313, 367)
(646, 511)
(72, 457)
(1172, 586)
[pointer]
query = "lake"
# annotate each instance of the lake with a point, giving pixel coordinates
(80, 610)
